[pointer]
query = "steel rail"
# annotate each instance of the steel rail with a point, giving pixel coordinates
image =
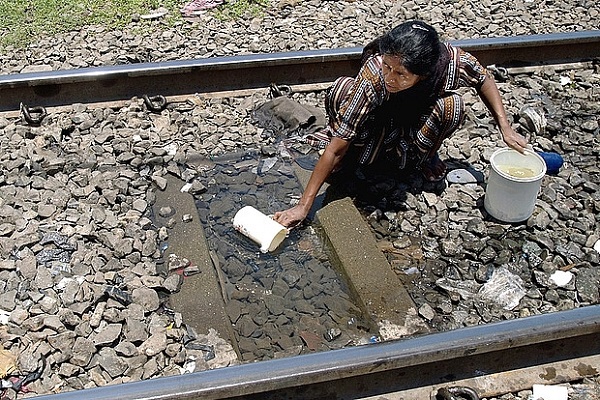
(220, 74)
(379, 368)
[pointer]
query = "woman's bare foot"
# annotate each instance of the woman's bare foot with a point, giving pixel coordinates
(434, 169)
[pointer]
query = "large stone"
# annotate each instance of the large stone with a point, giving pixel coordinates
(374, 284)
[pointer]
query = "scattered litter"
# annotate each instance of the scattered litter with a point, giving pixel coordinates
(171, 149)
(176, 262)
(500, 73)
(284, 153)
(267, 164)
(332, 334)
(59, 240)
(191, 270)
(462, 175)
(553, 161)
(504, 289)
(186, 188)
(550, 392)
(19, 384)
(159, 12)
(246, 164)
(376, 215)
(189, 366)
(8, 363)
(412, 271)
(57, 258)
(535, 121)
(458, 289)
(4, 317)
(118, 294)
(411, 325)
(209, 349)
(561, 278)
(283, 116)
(199, 7)
(597, 246)
(565, 80)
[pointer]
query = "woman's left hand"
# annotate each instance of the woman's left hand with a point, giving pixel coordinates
(514, 140)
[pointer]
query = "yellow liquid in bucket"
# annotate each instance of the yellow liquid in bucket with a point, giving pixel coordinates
(517, 172)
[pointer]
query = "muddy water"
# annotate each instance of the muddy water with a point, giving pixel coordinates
(517, 172)
(286, 302)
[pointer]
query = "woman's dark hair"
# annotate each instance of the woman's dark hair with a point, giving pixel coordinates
(418, 46)
(416, 43)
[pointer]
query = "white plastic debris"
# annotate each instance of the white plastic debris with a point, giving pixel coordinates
(550, 392)
(171, 149)
(65, 281)
(460, 175)
(565, 80)
(504, 288)
(267, 164)
(154, 14)
(597, 246)
(561, 278)
(186, 188)
(284, 153)
(189, 366)
(4, 317)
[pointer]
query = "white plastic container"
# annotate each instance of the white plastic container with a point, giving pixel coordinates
(513, 184)
(262, 229)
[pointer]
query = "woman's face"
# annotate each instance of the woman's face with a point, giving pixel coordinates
(397, 78)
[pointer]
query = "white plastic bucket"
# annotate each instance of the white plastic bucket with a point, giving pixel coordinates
(262, 229)
(513, 184)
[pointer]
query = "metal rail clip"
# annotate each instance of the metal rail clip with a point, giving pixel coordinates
(500, 73)
(457, 393)
(280, 90)
(33, 115)
(155, 103)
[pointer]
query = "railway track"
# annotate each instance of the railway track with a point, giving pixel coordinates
(563, 346)
(480, 357)
(236, 73)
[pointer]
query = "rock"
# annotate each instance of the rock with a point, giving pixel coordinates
(83, 351)
(154, 345)
(147, 298)
(107, 335)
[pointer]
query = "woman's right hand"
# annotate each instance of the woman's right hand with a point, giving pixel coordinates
(292, 216)
(331, 158)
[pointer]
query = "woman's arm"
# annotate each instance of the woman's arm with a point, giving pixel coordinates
(491, 98)
(330, 159)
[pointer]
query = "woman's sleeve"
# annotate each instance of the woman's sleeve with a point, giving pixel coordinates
(362, 98)
(471, 72)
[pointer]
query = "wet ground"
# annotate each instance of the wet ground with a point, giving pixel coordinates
(289, 301)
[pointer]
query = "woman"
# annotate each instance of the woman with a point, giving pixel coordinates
(399, 108)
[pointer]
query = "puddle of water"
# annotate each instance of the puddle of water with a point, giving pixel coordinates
(287, 302)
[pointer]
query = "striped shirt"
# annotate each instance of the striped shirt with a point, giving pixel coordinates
(358, 99)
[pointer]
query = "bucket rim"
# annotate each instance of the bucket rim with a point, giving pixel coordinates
(503, 174)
